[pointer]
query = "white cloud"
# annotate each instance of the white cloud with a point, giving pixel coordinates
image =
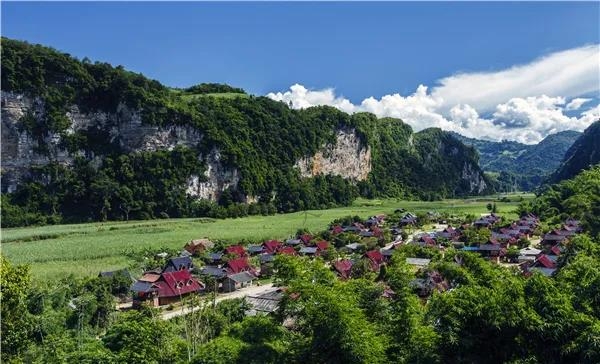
(568, 73)
(576, 103)
(526, 102)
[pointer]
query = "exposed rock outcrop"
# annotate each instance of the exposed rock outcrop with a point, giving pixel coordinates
(348, 157)
(20, 151)
(216, 179)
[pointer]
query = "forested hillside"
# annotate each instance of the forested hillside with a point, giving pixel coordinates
(578, 198)
(585, 152)
(520, 166)
(88, 141)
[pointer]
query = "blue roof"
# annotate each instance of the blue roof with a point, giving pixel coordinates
(213, 271)
(470, 248)
(308, 250)
(141, 286)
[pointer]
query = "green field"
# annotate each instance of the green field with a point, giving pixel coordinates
(86, 249)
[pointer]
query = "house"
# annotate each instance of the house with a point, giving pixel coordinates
(418, 262)
(387, 253)
(352, 229)
(238, 265)
(322, 245)
(198, 246)
(426, 240)
(492, 251)
(238, 280)
(306, 238)
(293, 242)
(433, 282)
(529, 251)
(375, 259)
(544, 265)
(266, 266)
(354, 247)
(337, 229)
(178, 263)
(366, 234)
(255, 249)
(236, 250)
(169, 288)
(215, 258)
(408, 219)
(212, 271)
(288, 250)
(343, 268)
(272, 246)
(555, 250)
(553, 237)
(265, 303)
(308, 250)
(449, 233)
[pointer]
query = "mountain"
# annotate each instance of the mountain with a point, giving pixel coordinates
(87, 141)
(585, 152)
(520, 165)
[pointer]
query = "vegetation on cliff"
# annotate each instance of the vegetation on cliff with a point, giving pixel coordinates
(585, 152)
(260, 138)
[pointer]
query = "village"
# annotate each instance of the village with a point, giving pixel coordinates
(351, 247)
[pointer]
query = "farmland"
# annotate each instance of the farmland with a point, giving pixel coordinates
(85, 249)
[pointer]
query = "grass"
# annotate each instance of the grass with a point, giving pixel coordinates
(85, 249)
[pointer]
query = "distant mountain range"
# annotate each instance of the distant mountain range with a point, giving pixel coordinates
(521, 166)
(584, 153)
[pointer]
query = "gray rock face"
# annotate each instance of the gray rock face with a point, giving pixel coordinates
(20, 150)
(216, 179)
(348, 158)
(476, 182)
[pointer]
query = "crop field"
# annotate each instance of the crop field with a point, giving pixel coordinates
(85, 249)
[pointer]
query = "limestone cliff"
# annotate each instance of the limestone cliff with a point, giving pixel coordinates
(347, 157)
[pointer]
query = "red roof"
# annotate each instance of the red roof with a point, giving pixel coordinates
(306, 238)
(427, 240)
(236, 250)
(545, 261)
(337, 229)
(343, 267)
(322, 245)
(238, 265)
(555, 250)
(288, 250)
(272, 246)
(177, 283)
(375, 257)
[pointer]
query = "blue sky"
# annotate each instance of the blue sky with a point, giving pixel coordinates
(355, 50)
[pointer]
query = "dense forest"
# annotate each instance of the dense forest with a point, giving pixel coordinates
(259, 137)
(491, 313)
(585, 152)
(523, 167)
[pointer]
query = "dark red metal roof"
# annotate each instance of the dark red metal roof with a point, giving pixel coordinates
(238, 265)
(272, 246)
(177, 283)
(237, 250)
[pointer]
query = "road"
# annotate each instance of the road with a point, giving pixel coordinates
(240, 293)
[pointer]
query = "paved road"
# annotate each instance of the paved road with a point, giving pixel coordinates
(248, 291)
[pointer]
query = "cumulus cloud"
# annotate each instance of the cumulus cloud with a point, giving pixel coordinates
(523, 103)
(568, 73)
(576, 103)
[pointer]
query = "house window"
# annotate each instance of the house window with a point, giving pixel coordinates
(189, 282)
(179, 284)
(181, 267)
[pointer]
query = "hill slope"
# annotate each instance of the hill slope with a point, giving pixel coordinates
(584, 153)
(525, 166)
(89, 141)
